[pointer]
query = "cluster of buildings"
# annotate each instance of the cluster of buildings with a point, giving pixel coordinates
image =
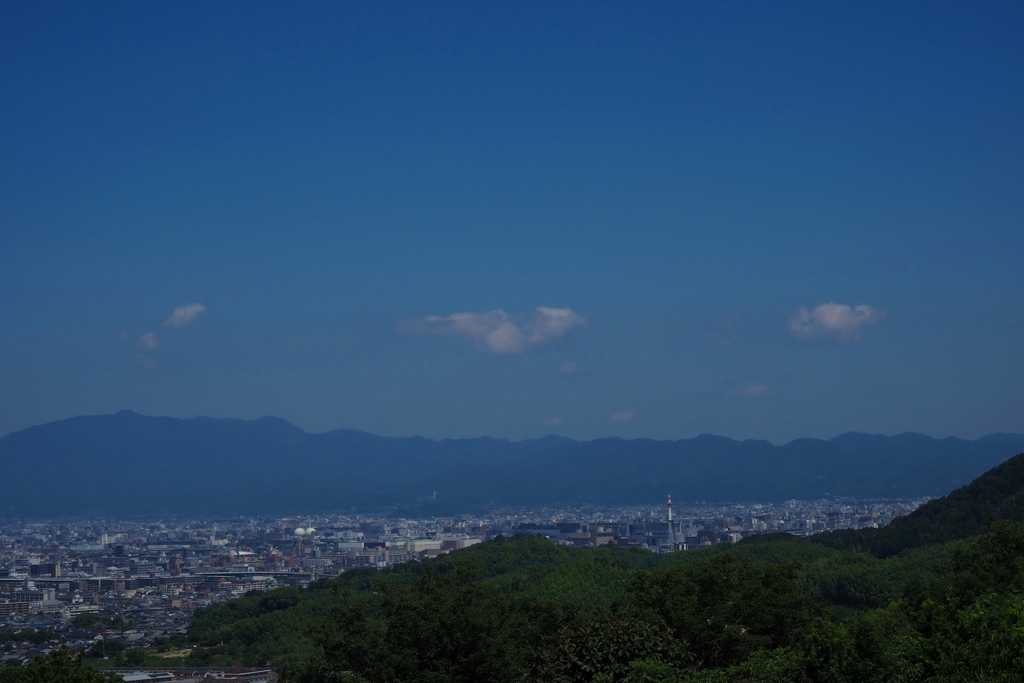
(672, 527)
(136, 583)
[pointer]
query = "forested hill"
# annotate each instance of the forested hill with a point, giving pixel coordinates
(996, 495)
(127, 463)
(769, 609)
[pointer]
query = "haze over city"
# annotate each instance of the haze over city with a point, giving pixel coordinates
(587, 219)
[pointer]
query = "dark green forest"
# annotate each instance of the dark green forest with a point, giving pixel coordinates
(524, 609)
(936, 596)
(997, 494)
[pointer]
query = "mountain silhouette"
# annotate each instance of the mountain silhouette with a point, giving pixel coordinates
(131, 464)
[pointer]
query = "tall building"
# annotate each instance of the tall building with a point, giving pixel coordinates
(671, 525)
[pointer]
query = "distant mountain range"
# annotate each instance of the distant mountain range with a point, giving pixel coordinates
(130, 464)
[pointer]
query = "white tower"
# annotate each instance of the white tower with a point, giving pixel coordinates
(671, 526)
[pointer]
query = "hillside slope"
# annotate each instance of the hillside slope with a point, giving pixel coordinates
(995, 495)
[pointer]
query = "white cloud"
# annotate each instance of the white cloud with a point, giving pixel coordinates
(145, 362)
(183, 315)
(568, 368)
(496, 331)
(551, 324)
(754, 390)
(834, 322)
(624, 416)
(149, 340)
(553, 422)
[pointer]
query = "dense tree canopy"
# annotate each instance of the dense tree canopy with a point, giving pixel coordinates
(769, 609)
(60, 666)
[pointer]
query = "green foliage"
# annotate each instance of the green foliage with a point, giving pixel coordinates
(967, 626)
(85, 620)
(781, 665)
(629, 644)
(884, 646)
(595, 578)
(59, 666)
(722, 610)
(105, 648)
(281, 598)
(118, 623)
(524, 609)
(441, 628)
(994, 563)
(167, 643)
(996, 495)
(35, 636)
(89, 620)
(263, 628)
(644, 671)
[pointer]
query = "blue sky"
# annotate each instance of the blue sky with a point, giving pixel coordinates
(461, 219)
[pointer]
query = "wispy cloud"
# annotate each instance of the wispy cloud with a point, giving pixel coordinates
(552, 422)
(498, 332)
(723, 340)
(183, 315)
(754, 391)
(149, 340)
(624, 416)
(568, 368)
(834, 322)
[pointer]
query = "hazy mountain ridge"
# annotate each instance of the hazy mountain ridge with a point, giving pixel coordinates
(128, 463)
